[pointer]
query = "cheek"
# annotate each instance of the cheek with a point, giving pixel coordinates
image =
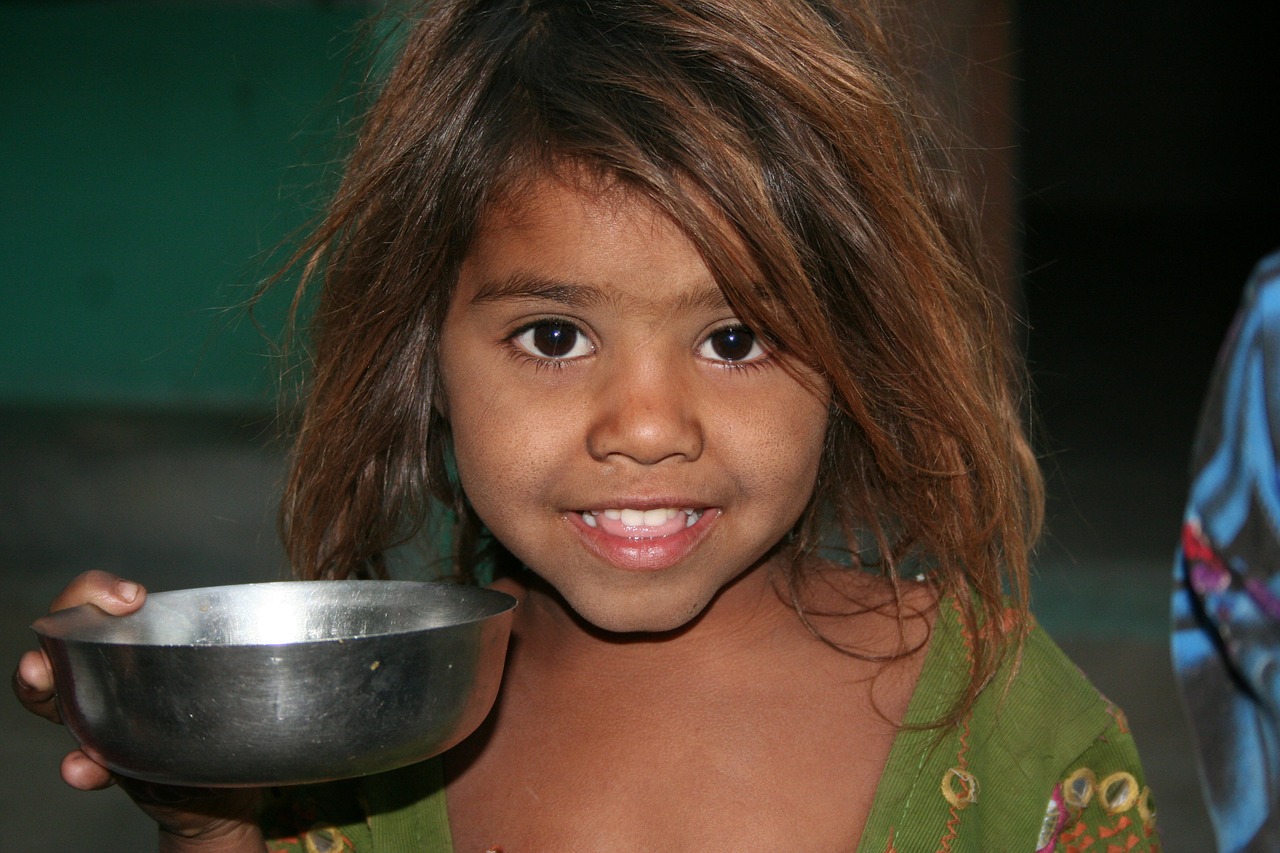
(491, 458)
(774, 448)
(506, 450)
(785, 436)
(796, 467)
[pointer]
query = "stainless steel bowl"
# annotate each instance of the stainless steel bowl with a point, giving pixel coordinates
(278, 683)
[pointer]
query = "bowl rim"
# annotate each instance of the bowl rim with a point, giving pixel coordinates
(63, 626)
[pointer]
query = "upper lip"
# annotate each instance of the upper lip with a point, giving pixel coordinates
(642, 503)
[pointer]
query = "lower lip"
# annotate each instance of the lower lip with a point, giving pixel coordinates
(646, 554)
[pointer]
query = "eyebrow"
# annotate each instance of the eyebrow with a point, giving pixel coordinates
(530, 286)
(533, 287)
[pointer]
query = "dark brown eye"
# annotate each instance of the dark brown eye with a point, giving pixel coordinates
(553, 339)
(732, 343)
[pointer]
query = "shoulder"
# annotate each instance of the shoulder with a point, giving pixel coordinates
(1058, 755)
(1041, 755)
(1038, 704)
(1038, 717)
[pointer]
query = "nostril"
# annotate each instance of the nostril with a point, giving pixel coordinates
(645, 412)
(646, 441)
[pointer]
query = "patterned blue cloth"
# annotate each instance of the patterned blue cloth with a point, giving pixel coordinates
(1226, 598)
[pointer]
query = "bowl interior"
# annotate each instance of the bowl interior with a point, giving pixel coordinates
(280, 613)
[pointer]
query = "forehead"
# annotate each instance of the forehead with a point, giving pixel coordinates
(568, 208)
(596, 238)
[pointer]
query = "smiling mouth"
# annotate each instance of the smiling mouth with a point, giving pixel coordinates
(642, 523)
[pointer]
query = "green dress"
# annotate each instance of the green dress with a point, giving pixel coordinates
(1042, 763)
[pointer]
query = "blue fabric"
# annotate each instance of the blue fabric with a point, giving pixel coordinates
(1226, 598)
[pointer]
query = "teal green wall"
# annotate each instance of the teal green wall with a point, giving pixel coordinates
(150, 155)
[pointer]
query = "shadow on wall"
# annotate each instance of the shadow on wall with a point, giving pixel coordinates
(171, 500)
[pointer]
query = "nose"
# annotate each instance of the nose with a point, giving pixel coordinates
(647, 412)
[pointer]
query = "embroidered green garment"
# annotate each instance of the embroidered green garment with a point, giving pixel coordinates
(1042, 763)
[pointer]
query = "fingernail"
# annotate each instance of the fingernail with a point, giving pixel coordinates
(128, 590)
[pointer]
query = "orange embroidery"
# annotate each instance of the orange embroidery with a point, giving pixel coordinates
(1075, 833)
(1128, 845)
(1112, 831)
(1119, 796)
(1122, 722)
(962, 757)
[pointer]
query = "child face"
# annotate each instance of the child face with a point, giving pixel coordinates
(614, 425)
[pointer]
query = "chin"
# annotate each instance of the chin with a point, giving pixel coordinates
(639, 617)
(641, 624)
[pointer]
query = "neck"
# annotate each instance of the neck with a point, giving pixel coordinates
(745, 613)
(751, 626)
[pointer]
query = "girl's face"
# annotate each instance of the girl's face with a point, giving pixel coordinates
(614, 425)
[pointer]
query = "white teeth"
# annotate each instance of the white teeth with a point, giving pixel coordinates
(656, 517)
(632, 517)
(642, 517)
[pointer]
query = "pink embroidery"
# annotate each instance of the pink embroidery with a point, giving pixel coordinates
(1055, 820)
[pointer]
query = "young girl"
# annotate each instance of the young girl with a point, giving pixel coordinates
(674, 305)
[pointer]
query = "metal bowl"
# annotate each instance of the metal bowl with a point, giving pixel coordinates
(278, 683)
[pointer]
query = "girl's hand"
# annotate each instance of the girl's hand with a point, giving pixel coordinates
(190, 818)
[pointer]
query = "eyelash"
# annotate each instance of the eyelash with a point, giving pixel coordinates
(759, 361)
(755, 364)
(523, 355)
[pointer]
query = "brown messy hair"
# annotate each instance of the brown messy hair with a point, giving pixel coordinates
(852, 249)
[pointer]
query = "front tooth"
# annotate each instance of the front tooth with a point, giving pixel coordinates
(589, 518)
(614, 514)
(632, 517)
(655, 517)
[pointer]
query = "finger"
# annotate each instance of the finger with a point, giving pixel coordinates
(84, 774)
(33, 685)
(156, 794)
(113, 594)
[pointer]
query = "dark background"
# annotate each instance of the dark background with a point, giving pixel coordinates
(1149, 187)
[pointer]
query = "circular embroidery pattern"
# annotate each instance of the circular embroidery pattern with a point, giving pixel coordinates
(1119, 792)
(1146, 809)
(325, 839)
(1078, 788)
(960, 787)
